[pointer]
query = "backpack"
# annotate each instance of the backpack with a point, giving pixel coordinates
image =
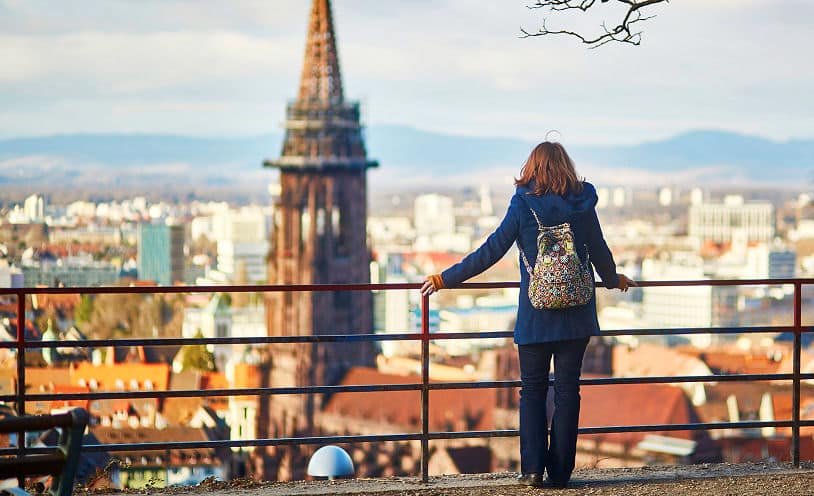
(558, 279)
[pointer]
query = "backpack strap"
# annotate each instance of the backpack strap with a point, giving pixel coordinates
(539, 224)
(523, 256)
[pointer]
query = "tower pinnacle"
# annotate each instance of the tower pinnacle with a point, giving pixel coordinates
(323, 131)
(321, 80)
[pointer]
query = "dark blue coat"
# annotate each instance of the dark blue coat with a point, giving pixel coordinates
(537, 326)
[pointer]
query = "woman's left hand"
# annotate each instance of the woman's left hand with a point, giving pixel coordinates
(428, 288)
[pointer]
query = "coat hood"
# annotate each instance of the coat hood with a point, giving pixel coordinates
(561, 206)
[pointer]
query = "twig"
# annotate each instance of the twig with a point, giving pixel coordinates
(623, 32)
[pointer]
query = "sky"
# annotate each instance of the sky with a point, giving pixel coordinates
(228, 67)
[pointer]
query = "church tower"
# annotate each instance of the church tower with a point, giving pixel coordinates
(319, 234)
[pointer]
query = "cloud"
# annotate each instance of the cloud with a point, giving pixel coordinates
(131, 63)
(198, 67)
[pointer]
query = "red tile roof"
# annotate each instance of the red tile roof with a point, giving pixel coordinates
(633, 404)
(449, 409)
(106, 376)
(654, 360)
(128, 435)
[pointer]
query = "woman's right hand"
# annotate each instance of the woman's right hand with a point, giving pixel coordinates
(625, 282)
(428, 287)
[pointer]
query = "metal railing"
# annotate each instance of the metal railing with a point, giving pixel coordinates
(425, 386)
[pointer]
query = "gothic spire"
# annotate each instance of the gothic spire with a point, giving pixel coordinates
(321, 80)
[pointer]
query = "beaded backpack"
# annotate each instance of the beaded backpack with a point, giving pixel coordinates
(558, 278)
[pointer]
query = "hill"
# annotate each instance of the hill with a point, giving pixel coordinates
(102, 160)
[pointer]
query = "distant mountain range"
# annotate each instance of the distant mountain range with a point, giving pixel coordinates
(407, 156)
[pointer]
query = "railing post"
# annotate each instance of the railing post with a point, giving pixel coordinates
(795, 407)
(21, 377)
(425, 389)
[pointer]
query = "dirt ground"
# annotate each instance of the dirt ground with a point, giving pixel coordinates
(710, 479)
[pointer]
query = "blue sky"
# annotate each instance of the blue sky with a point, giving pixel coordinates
(202, 67)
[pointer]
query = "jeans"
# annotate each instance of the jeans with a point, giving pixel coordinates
(536, 453)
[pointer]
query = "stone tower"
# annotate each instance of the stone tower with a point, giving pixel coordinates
(319, 233)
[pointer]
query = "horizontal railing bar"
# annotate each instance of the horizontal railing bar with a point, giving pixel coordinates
(250, 442)
(609, 381)
(365, 388)
(411, 437)
(264, 288)
(615, 429)
(322, 338)
(700, 426)
(703, 330)
(261, 288)
(354, 338)
(194, 393)
(325, 338)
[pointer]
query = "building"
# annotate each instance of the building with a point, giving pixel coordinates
(225, 316)
(75, 271)
(719, 221)
(214, 320)
(693, 306)
(34, 208)
(433, 215)
(242, 241)
(92, 233)
(10, 276)
(435, 226)
(782, 264)
(319, 234)
(666, 196)
(620, 197)
(161, 253)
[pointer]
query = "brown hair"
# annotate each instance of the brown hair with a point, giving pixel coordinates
(551, 170)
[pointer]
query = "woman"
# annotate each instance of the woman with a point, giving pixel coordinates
(549, 186)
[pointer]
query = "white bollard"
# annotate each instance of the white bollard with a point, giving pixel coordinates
(330, 462)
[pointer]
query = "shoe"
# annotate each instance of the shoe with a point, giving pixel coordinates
(554, 485)
(531, 479)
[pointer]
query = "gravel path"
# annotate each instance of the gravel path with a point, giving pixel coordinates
(717, 479)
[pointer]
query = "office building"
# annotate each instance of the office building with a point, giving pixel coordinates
(718, 221)
(161, 253)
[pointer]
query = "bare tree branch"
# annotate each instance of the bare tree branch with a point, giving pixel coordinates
(624, 31)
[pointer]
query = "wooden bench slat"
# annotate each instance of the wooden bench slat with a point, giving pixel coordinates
(31, 465)
(35, 423)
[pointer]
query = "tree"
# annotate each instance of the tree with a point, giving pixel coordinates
(197, 357)
(84, 310)
(623, 30)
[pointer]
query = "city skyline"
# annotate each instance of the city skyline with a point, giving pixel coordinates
(444, 66)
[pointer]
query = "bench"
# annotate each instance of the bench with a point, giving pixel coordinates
(61, 462)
